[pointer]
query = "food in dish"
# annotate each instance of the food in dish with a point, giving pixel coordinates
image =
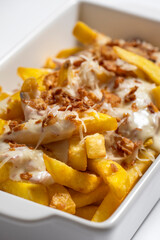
(83, 129)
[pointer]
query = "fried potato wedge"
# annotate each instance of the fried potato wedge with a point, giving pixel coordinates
(3, 123)
(106, 208)
(87, 35)
(84, 199)
(113, 174)
(98, 122)
(139, 168)
(29, 86)
(49, 63)
(148, 142)
(65, 53)
(53, 133)
(77, 157)
(86, 212)
(95, 146)
(3, 95)
(156, 96)
(26, 73)
(34, 192)
(84, 33)
(136, 171)
(61, 199)
(4, 172)
(149, 68)
(63, 74)
(69, 177)
(10, 107)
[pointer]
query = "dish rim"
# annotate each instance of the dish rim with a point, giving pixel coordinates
(133, 194)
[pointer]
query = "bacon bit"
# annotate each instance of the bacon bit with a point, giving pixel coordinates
(12, 149)
(118, 70)
(134, 107)
(19, 127)
(49, 120)
(133, 162)
(138, 129)
(16, 145)
(78, 62)
(118, 119)
(131, 96)
(111, 98)
(126, 115)
(64, 108)
(125, 145)
(51, 80)
(152, 108)
(15, 126)
(12, 124)
(70, 117)
(110, 65)
(25, 176)
(63, 99)
(37, 103)
(38, 121)
(124, 164)
(116, 42)
(118, 80)
(32, 148)
(114, 168)
(58, 201)
(108, 53)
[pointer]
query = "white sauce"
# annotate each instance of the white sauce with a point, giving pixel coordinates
(25, 160)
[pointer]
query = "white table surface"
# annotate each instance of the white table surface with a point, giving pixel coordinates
(19, 17)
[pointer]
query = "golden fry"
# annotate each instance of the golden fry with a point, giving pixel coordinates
(149, 68)
(86, 212)
(69, 177)
(95, 146)
(61, 199)
(34, 192)
(77, 154)
(84, 199)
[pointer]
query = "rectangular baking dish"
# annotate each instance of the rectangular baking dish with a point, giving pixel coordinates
(22, 219)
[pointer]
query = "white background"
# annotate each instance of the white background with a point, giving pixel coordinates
(20, 17)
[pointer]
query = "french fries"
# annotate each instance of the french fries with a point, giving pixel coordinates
(3, 123)
(68, 52)
(113, 174)
(84, 34)
(26, 73)
(5, 172)
(95, 146)
(86, 212)
(11, 108)
(87, 36)
(3, 96)
(77, 157)
(49, 63)
(61, 199)
(107, 207)
(84, 199)
(98, 122)
(156, 96)
(33, 192)
(69, 177)
(149, 68)
(63, 74)
(71, 137)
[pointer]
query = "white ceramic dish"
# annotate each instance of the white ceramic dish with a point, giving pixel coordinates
(22, 219)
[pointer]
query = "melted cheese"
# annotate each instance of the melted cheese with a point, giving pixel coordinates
(25, 160)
